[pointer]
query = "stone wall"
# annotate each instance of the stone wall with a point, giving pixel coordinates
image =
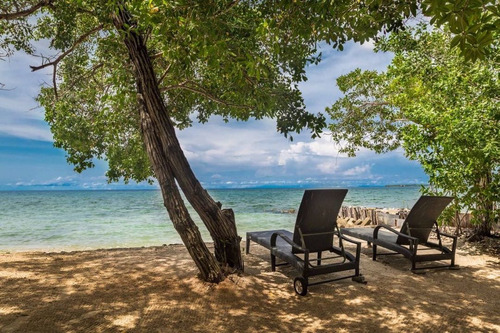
(352, 215)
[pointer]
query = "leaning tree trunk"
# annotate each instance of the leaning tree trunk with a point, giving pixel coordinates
(220, 223)
(179, 215)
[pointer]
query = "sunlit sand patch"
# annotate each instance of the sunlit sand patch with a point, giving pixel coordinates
(392, 319)
(72, 286)
(126, 321)
(277, 294)
(426, 317)
(5, 310)
(91, 314)
(478, 322)
(358, 300)
(488, 274)
(17, 275)
(314, 327)
(237, 312)
(312, 324)
(118, 305)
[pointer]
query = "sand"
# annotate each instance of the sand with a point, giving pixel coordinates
(156, 289)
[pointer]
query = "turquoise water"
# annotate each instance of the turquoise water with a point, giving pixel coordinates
(76, 220)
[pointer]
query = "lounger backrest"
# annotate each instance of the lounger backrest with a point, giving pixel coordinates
(317, 218)
(422, 216)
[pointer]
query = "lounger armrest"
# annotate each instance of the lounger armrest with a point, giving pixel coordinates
(412, 240)
(455, 239)
(358, 246)
(288, 240)
(350, 240)
(447, 235)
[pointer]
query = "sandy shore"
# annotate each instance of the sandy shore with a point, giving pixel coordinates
(156, 290)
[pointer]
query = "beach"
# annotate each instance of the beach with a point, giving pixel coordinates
(93, 261)
(156, 289)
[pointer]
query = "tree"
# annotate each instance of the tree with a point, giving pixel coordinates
(126, 73)
(443, 111)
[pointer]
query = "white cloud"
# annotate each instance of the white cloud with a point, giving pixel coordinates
(26, 131)
(55, 182)
(303, 151)
(328, 167)
(296, 152)
(252, 153)
(363, 170)
(249, 144)
(369, 45)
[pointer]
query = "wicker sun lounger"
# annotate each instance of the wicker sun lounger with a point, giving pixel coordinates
(412, 240)
(314, 233)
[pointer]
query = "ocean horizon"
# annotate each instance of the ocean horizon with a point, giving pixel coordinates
(76, 219)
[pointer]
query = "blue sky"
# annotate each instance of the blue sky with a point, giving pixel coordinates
(234, 154)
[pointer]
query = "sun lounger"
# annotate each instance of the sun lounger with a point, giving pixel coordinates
(314, 233)
(412, 240)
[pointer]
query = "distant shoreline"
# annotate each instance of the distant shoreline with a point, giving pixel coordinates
(48, 188)
(407, 185)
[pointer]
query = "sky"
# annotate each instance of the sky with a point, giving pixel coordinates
(223, 155)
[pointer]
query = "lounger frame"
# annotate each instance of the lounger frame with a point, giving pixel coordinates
(414, 241)
(312, 229)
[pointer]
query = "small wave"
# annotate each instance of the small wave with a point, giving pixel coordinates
(281, 211)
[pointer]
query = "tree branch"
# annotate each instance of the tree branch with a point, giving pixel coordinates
(164, 74)
(86, 75)
(157, 55)
(225, 10)
(26, 12)
(370, 104)
(202, 91)
(54, 82)
(65, 53)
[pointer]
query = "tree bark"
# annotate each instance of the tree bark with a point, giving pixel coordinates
(178, 213)
(486, 207)
(170, 164)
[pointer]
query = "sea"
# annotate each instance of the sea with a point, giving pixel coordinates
(71, 220)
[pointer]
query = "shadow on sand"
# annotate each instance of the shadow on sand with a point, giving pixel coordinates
(156, 290)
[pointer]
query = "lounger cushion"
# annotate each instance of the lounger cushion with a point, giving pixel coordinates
(283, 249)
(367, 234)
(385, 239)
(264, 238)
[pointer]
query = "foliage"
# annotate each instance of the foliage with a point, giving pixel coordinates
(235, 59)
(443, 111)
(474, 23)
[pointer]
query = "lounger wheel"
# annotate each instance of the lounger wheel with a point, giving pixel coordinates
(359, 279)
(300, 286)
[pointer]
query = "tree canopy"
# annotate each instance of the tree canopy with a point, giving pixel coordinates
(443, 111)
(236, 59)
